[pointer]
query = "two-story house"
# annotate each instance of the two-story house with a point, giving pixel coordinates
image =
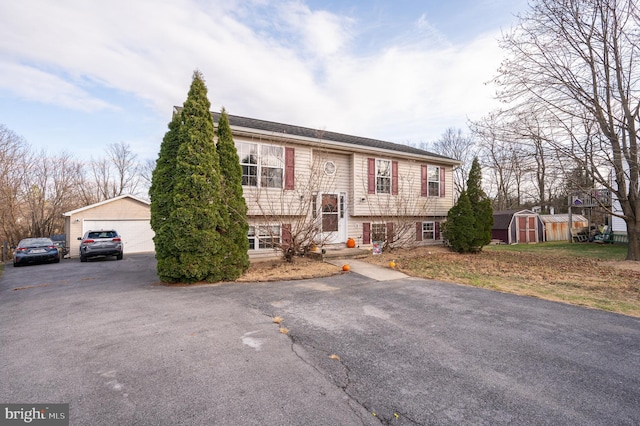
(299, 180)
(309, 184)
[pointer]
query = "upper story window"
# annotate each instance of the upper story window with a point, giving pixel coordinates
(262, 165)
(248, 153)
(383, 176)
(434, 181)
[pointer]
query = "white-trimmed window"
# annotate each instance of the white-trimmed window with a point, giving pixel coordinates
(262, 165)
(378, 232)
(433, 173)
(264, 236)
(383, 176)
(248, 153)
(428, 231)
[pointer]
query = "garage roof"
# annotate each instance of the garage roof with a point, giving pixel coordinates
(140, 200)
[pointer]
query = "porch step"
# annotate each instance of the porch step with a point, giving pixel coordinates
(339, 253)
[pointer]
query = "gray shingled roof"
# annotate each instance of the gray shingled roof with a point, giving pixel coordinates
(502, 218)
(270, 126)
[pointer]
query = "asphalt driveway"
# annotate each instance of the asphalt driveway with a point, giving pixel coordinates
(121, 349)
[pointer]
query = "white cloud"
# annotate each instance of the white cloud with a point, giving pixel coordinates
(322, 33)
(313, 76)
(40, 86)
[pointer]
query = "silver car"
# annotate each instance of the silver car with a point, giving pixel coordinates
(101, 243)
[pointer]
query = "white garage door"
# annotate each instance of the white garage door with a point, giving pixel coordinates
(137, 234)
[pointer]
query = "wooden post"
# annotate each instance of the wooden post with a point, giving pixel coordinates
(570, 221)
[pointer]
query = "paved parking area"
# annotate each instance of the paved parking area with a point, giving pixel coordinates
(121, 349)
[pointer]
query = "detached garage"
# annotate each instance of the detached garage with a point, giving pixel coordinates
(128, 215)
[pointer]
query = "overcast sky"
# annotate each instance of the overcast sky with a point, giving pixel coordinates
(76, 75)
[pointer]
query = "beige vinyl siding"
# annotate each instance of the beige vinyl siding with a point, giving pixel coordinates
(338, 182)
(355, 230)
(409, 191)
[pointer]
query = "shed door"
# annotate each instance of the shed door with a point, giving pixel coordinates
(527, 231)
(522, 229)
(532, 230)
(137, 235)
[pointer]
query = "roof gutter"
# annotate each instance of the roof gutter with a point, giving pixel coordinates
(326, 143)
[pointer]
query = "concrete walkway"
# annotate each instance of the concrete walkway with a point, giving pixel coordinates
(376, 272)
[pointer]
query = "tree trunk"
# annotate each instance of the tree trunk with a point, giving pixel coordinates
(633, 235)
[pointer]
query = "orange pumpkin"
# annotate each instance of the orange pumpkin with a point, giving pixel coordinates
(345, 268)
(351, 243)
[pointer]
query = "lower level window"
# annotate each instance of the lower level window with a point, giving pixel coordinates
(378, 232)
(428, 231)
(263, 237)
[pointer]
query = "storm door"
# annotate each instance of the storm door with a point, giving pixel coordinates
(333, 217)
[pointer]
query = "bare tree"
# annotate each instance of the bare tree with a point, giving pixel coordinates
(36, 189)
(50, 189)
(14, 158)
(454, 144)
(145, 172)
(126, 167)
(116, 174)
(530, 135)
(576, 60)
(517, 151)
(502, 159)
(101, 179)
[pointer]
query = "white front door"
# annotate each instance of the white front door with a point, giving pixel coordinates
(334, 217)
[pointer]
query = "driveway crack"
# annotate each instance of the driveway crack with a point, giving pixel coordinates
(344, 387)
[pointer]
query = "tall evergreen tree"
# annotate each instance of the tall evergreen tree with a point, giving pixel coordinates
(196, 217)
(234, 239)
(459, 229)
(481, 206)
(469, 222)
(161, 190)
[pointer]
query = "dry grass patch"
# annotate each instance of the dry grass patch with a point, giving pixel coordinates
(279, 270)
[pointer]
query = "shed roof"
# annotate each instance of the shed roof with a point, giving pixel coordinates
(562, 218)
(502, 218)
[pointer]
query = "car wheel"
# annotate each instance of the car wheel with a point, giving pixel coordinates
(56, 260)
(119, 256)
(15, 265)
(83, 258)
